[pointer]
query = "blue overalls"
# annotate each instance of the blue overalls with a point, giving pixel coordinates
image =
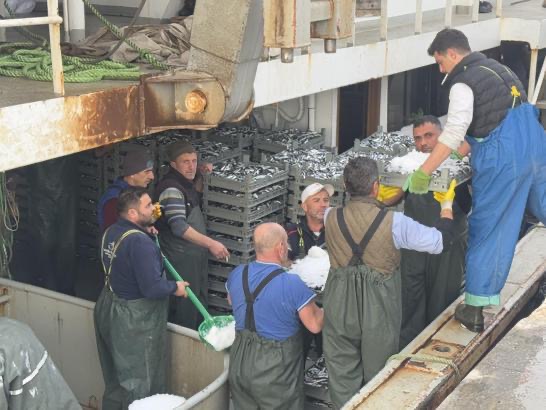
(509, 175)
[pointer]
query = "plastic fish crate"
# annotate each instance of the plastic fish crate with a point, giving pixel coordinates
(242, 137)
(245, 215)
(246, 229)
(247, 200)
(439, 183)
(216, 301)
(220, 270)
(250, 184)
(217, 286)
(265, 144)
(245, 245)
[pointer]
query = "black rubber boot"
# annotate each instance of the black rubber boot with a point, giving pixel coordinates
(470, 317)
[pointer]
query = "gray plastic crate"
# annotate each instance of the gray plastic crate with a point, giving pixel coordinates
(247, 200)
(219, 270)
(216, 301)
(244, 229)
(245, 215)
(250, 183)
(242, 245)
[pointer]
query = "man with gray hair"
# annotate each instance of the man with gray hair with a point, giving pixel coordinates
(362, 296)
(269, 305)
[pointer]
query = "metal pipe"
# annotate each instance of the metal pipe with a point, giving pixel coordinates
(498, 10)
(330, 45)
(475, 10)
(384, 20)
(77, 19)
(534, 97)
(287, 55)
(66, 19)
(311, 111)
(419, 16)
(448, 16)
(384, 103)
(533, 72)
(31, 21)
(55, 47)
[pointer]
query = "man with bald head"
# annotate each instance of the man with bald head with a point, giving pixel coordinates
(269, 305)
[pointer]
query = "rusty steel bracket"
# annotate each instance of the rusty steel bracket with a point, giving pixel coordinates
(181, 99)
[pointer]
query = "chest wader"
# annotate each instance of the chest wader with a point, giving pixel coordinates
(430, 283)
(131, 341)
(191, 261)
(263, 373)
(361, 318)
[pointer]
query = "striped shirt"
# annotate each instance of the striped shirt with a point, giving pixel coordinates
(174, 210)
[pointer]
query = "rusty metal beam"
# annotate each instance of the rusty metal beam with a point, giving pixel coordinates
(43, 130)
(413, 383)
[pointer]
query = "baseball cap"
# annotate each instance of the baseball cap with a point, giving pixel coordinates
(315, 188)
(136, 161)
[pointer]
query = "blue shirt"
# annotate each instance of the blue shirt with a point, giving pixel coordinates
(137, 267)
(276, 307)
(410, 234)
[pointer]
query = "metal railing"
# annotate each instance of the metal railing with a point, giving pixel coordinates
(54, 21)
(448, 15)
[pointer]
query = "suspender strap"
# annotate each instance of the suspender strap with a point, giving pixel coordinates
(250, 298)
(301, 243)
(113, 254)
(358, 249)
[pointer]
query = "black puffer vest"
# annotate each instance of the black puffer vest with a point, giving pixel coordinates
(491, 82)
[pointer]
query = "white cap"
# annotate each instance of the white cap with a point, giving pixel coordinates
(315, 188)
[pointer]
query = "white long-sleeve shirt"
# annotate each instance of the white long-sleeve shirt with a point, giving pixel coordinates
(459, 115)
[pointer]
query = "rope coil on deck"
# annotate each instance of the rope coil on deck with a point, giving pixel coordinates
(427, 358)
(35, 64)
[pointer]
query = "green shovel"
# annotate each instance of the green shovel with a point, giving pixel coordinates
(210, 321)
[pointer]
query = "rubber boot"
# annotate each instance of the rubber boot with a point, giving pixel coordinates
(470, 317)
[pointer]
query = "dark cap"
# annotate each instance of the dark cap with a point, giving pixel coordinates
(136, 161)
(178, 148)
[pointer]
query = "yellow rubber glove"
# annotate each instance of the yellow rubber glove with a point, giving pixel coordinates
(446, 198)
(387, 192)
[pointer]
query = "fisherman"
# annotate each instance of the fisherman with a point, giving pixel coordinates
(131, 312)
(488, 113)
(136, 171)
(362, 309)
(182, 230)
(29, 379)
(269, 305)
(430, 283)
(306, 233)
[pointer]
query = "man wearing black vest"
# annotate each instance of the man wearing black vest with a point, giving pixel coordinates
(182, 230)
(488, 113)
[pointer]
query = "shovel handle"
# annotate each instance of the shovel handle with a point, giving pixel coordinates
(190, 293)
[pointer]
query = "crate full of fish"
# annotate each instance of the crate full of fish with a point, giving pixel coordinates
(280, 140)
(245, 176)
(396, 171)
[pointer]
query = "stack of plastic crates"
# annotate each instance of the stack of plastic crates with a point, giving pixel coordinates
(91, 172)
(238, 196)
(273, 142)
(301, 162)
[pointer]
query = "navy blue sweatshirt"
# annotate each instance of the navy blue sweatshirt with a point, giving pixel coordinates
(137, 270)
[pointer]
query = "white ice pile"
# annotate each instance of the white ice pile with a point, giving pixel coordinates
(157, 401)
(414, 159)
(313, 269)
(221, 338)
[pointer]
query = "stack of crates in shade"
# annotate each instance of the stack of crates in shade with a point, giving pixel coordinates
(237, 197)
(275, 141)
(92, 186)
(301, 163)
